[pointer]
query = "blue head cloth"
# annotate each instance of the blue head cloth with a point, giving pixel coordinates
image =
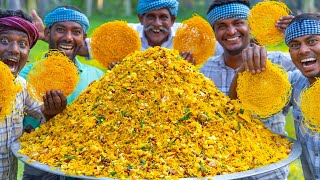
(230, 10)
(300, 28)
(145, 6)
(64, 14)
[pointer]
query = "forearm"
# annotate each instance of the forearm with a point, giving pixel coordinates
(233, 88)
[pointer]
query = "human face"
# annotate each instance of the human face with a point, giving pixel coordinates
(305, 54)
(233, 34)
(157, 26)
(67, 37)
(14, 49)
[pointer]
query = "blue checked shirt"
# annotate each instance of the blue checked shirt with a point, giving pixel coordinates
(222, 76)
(309, 140)
(11, 129)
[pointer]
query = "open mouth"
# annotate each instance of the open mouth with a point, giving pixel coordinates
(65, 48)
(11, 63)
(308, 62)
(232, 39)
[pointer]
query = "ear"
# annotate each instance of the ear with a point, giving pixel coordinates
(84, 36)
(140, 18)
(173, 19)
(46, 34)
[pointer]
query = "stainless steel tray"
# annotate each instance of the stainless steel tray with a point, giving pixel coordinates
(294, 154)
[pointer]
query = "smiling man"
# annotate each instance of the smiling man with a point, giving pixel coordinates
(228, 19)
(17, 36)
(65, 30)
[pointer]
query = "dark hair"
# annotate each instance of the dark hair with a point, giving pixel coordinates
(216, 3)
(19, 13)
(304, 16)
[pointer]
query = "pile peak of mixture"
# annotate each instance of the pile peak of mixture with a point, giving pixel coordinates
(154, 116)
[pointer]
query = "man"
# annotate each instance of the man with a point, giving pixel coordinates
(228, 19)
(303, 38)
(65, 30)
(17, 36)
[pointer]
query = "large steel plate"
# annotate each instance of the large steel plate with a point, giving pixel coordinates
(294, 154)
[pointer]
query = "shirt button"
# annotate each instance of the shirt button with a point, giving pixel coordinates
(316, 154)
(316, 176)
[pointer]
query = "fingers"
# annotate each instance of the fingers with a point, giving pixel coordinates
(254, 59)
(54, 101)
(188, 57)
(113, 64)
(283, 22)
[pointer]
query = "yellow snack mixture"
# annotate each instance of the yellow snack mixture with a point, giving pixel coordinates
(8, 90)
(113, 41)
(262, 19)
(265, 93)
(154, 116)
(195, 35)
(310, 106)
(56, 71)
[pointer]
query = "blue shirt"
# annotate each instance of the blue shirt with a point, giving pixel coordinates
(309, 140)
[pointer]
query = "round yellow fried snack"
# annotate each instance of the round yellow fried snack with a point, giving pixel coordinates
(310, 105)
(8, 90)
(56, 71)
(113, 41)
(262, 19)
(195, 35)
(265, 93)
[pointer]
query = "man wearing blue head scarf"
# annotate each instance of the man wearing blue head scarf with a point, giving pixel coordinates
(66, 30)
(228, 19)
(303, 39)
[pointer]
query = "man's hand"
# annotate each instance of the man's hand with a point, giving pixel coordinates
(113, 64)
(54, 102)
(283, 22)
(188, 57)
(37, 21)
(254, 58)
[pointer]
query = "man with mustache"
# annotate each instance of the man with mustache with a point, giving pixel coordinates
(17, 36)
(66, 28)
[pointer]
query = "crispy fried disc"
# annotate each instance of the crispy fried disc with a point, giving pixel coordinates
(195, 35)
(56, 71)
(262, 19)
(113, 41)
(310, 105)
(8, 90)
(265, 93)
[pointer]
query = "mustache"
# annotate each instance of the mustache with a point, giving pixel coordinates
(161, 28)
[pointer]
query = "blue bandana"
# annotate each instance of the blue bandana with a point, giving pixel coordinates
(231, 10)
(301, 28)
(64, 14)
(145, 6)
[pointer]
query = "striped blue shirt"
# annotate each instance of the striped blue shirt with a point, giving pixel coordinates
(11, 129)
(222, 75)
(309, 140)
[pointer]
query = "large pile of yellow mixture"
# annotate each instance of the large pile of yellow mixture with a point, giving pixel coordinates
(154, 116)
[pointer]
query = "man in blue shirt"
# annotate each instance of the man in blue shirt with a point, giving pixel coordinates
(65, 30)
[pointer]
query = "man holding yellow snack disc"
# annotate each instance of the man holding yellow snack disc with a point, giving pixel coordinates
(228, 18)
(17, 36)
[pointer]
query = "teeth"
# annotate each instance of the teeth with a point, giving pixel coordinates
(65, 47)
(308, 60)
(232, 39)
(14, 60)
(156, 30)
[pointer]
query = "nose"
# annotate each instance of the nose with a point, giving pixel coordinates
(14, 48)
(68, 36)
(231, 30)
(304, 49)
(157, 22)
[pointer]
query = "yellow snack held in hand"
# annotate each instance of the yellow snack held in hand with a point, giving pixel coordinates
(154, 116)
(113, 41)
(56, 71)
(262, 19)
(265, 93)
(310, 106)
(195, 35)
(8, 90)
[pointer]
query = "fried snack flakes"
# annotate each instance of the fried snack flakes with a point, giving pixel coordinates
(154, 116)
